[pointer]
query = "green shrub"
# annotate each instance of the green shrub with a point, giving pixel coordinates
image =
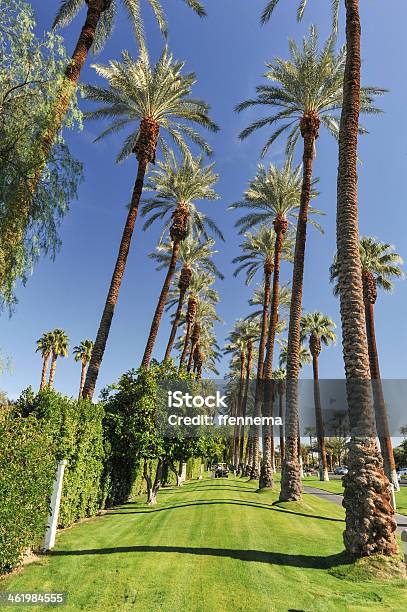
(27, 471)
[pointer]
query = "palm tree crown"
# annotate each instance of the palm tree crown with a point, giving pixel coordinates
(83, 351)
(273, 194)
(157, 95)
(319, 329)
(258, 251)
(179, 184)
(69, 8)
(60, 343)
(379, 262)
(45, 344)
(310, 84)
(271, 5)
(193, 254)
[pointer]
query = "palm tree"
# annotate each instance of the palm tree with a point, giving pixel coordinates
(200, 292)
(380, 265)
(83, 353)
(361, 538)
(310, 91)
(150, 99)
(195, 256)
(60, 346)
(279, 377)
(44, 346)
(318, 328)
(97, 28)
(176, 186)
(203, 319)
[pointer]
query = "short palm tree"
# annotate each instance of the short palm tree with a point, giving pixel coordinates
(149, 99)
(83, 353)
(177, 185)
(310, 92)
(200, 292)
(44, 346)
(97, 28)
(60, 347)
(319, 329)
(194, 256)
(380, 266)
(204, 317)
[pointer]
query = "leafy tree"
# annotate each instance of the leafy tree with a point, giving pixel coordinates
(309, 91)
(60, 346)
(83, 353)
(177, 186)
(319, 329)
(30, 74)
(150, 99)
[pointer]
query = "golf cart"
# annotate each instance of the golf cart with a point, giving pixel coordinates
(221, 470)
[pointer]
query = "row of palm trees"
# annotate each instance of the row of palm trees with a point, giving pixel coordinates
(306, 91)
(54, 344)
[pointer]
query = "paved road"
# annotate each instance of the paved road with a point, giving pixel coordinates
(337, 499)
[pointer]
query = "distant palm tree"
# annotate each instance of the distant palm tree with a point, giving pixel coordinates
(60, 346)
(83, 353)
(200, 294)
(195, 256)
(310, 93)
(279, 377)
(149, 99)
(44, 346)
(380, 265)
(318, 328)
(176, 186)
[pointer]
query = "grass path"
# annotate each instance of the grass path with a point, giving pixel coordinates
(210, 546)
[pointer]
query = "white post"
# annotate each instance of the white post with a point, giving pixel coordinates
(404, 540)
(201, 471)
(50, 534)
(184, 472)
(392, 496)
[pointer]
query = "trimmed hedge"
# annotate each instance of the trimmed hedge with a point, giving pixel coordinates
(26, 474)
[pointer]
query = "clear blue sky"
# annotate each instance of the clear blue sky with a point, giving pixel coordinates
(227, 51)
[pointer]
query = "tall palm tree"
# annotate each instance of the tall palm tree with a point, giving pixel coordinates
(83, 353)
(310, 91)
(195, 256)
(149, 99)
(319, 329)
(279, 377)
(177, 185)
(97, 28)
(200, 292)
(361, 538)
(60, 347)
(380, 265)
(44, 346)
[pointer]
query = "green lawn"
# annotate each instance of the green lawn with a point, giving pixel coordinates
(213, 546)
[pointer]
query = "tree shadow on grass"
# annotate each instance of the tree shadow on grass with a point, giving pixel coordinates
(183, 489)
(233, 502)
(259, 556)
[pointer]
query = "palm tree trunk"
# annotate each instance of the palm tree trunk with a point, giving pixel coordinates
(281, 414)
(160, 306)
(186, 343)
(266, 471)
(382, 423)
(258, 397)
(290, 477)
(191, 356)
(319, 422)
(244, 401)
(44, 370)
(370, 523)
(83, 374)
(175, 324)
(113, 294)
(52, 371)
